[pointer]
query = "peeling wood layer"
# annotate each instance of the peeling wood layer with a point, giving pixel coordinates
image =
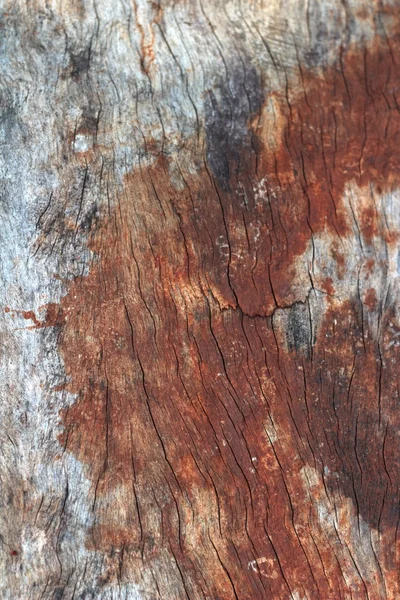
(207, 330)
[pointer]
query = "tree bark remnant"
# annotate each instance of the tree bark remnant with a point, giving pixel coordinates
(200, 326)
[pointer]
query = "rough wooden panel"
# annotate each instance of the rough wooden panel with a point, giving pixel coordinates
(200, 285)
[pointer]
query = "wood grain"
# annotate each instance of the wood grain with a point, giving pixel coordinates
(200, 287)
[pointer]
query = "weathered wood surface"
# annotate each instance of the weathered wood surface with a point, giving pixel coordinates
(200, 329)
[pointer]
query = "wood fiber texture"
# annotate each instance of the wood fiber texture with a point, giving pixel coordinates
(200, 300)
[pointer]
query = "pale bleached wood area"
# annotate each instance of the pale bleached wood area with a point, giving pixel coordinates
(199, 315)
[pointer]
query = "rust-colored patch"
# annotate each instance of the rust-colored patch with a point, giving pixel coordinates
(327, 286)
(146, 33)
(30, 315)
(371, 300)
(199, 417)
(337, 128)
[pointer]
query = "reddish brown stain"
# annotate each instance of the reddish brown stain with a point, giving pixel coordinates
(335, 131)
(339, 126)
(30, 315)
(147, 35)
(328, 287)
(371, 300)
(194, 419)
